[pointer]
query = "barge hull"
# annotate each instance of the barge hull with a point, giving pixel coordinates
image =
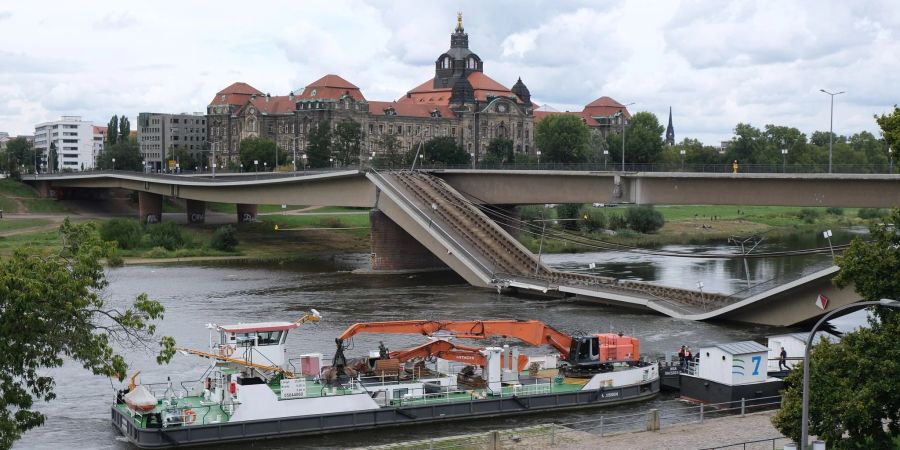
(384, 417)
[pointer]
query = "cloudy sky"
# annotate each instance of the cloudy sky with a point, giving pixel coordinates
(716, 63)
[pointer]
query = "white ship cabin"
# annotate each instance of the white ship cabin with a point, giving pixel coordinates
(259, 343)
(795, 346)
(734, 363)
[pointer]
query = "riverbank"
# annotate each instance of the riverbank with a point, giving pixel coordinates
(711, 433)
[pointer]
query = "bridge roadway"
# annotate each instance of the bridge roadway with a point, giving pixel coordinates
(446, 222)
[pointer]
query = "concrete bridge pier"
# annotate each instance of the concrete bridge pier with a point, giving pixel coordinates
(150, 207)
(246, 213)
(393, 249)
(196, 211)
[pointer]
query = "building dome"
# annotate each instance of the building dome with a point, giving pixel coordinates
(521, 91)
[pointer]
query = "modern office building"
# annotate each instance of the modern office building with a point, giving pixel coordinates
(73, 140)
(159, 134)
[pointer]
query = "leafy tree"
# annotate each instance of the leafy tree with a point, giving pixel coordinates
(444, 150)
(183, 158)
(124, 129)
(890, 127)
(127, 156)
(51, 308)
(746, 145)
(112, 129)
(499, 151)
(562, 138)
(855, 391)
(52, 158)
(224, 238)
(126, 233)
(643, 139)
(19, 152)
(644, 218)
(318, 152)
(260, 150)
(591, 219)
(568, 215)
(346, 146)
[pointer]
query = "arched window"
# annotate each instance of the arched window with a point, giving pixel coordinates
(471, 63)
(445, 62)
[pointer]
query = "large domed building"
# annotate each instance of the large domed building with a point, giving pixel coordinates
(460, 100)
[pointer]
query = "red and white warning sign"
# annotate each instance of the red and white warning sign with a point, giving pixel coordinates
(822, 301)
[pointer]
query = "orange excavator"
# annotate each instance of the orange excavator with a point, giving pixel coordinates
(452, 352)
(581, 355)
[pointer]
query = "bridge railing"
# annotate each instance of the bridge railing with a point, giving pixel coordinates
(434, 226)
(674, 167)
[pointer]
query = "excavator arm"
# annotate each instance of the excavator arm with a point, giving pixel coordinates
(451, 352)
(531, 332)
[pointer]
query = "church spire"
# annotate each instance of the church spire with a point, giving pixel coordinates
(670, 130)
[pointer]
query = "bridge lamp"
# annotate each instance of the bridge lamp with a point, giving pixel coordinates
(804, 421)
(891, 160)
(830, 125)
(683, 152)
(783, 159)
(113, 161)
(538, 153)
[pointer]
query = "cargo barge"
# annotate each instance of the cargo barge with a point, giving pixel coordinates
(252, 391)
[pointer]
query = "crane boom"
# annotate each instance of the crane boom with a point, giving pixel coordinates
(532, 332)
(451, 352)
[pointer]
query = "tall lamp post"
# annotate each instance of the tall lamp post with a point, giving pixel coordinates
(831, 125)
(682, 159)
(605, 155)
(783, 160)
(890, 160)
(804, 420)
(621, 115)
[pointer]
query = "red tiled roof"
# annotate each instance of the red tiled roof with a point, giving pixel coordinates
(408, 109)
(100, 130)
(235, 94)
(483, 85)
(604, 107)
(330, 87)
(274, 105)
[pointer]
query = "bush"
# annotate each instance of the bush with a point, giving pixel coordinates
(617, 222)
(835, 211)
(644, 218)
(166, 235)
(157, 252)
(872, 213)
(809, 215)
(126, 232)
(591, 219)
(224, 239)
(567, 211)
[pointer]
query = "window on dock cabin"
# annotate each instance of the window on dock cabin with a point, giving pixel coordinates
(270, 337)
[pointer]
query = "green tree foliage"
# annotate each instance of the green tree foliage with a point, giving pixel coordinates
(318, 150)
(389, 153)
(890, 127)
(499, 151)
(747, 144)
(19, 152)
(51, 308)
(567, 213)
(644, 218)
(126, 233)
(124, 129)
(643, 140)
(260, 150)
(591, 219)
(444, 150)
(346, 142)
(853, 382)
(112, 131)
(127, 155)
(166, 235)
(183, 158)
(872, 213)
(617, 222)
(224, 238)
(562, 138)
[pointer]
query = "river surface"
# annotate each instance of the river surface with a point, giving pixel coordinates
(195, 295)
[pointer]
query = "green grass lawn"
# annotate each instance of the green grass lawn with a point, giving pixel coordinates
(8, 205)
(769, 215)
(360, 222)
(14, 188)
(18, 224)
(42, 239)
(43, 205)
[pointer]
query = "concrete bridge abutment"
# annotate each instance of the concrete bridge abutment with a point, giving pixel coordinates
(246, 213)
(150, 207)
(393, 249)
(196, 211)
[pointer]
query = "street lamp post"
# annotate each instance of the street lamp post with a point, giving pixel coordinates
(804, 420)
(605, 155)
(539, 158)
(621, 115)
(256, 167)
(682, 159)
(114, 163)
(783, 160)
(303, 157)
(890, 160)
(831, 125)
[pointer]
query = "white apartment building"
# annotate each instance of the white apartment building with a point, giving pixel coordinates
(99, 141)
(74, 139)
(159, 134)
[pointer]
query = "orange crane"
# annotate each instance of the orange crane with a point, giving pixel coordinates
(583, 355)
(451, 352)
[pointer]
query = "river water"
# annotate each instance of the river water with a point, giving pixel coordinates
(195, 295)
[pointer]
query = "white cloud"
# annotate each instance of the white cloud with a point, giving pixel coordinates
(716, 63)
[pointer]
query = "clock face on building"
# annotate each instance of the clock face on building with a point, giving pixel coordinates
(501, 107)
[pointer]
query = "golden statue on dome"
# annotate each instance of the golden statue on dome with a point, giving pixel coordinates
(459, 25)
